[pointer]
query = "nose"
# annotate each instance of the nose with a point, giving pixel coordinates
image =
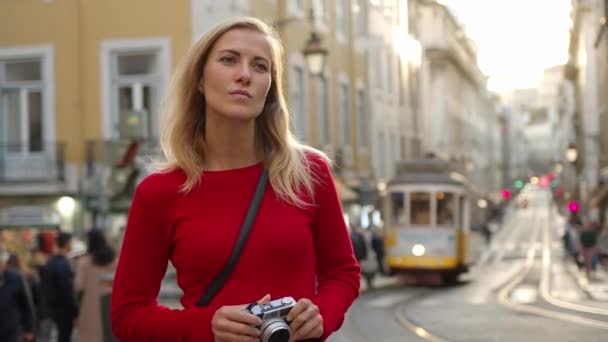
(244, 73)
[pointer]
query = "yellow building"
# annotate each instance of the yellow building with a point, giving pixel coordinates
(79, 78)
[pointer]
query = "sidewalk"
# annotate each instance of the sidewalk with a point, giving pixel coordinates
(596, 287)
(379, 281)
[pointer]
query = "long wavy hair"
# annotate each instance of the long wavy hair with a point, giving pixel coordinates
(101, 252)
(182, 131)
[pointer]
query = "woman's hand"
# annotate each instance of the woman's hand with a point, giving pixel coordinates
(231, 323)
(306, 320)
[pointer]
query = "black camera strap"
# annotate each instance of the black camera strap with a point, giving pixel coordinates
(252, 212)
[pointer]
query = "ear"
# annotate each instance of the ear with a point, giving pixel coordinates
(201, 89)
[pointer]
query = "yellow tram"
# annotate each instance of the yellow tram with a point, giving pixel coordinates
(428, 221)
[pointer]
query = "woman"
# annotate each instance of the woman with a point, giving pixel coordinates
(226, 121)
(94, 270)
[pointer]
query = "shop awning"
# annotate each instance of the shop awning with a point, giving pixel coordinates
(345, 193)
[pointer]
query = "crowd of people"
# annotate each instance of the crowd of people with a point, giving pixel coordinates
(46, 295)
(581, 239)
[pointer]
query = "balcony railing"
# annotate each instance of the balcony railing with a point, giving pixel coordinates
(100, 154)
(113, 168)
(27, 163)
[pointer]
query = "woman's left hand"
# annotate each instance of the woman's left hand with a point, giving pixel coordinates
(306, 320)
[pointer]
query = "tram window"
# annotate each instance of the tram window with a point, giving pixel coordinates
(420, 204)
(398, 207)
(445, 208)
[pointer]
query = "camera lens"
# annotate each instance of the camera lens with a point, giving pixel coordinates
(280, 336)
(275, 330)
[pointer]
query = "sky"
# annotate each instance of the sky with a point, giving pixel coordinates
(516, 39)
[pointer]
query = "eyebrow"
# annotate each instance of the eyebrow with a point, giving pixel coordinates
(234, 52)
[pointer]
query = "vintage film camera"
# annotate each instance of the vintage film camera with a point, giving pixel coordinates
(274, 327)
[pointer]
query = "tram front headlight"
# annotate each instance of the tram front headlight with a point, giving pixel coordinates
(418, 250)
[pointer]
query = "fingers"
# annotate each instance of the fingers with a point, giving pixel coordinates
(234, 331)
(311, 329)
(236, 314)
(231, 323)
(265, 299)
(306, 320)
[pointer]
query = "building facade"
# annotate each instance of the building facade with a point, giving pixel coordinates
(457, 119)
(75, 72)
(587, 73)
(80, 93)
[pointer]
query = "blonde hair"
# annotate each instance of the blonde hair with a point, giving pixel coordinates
(183, 125)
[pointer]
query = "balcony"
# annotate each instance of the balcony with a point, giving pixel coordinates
(22, 163)
(113, 168)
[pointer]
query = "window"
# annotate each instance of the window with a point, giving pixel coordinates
(404, 154)
(134, 77)
(362, 119)
(298, 102)
(341, 18)
(381, 155)
(401, 85)
(344, 110)
(135, 93)
(389, 72)
(296, 7)
(323, 110)
(397, 206)
(320, 11)
(445, 208)
(420, 208)
(378, 68)
(358, 13)
(21, 105)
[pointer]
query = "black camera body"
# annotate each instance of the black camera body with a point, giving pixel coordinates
(274, 327)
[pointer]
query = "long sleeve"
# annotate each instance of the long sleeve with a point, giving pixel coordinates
(24, 301)
(62, 282)
(337, 270)
(135, 312)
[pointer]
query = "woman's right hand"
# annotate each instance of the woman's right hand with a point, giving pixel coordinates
(231, 323)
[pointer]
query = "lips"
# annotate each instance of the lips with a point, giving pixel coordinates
(241, 92)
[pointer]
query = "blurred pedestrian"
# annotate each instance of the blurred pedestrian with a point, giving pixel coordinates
(378, 247)
(61, 295)
(227, 128)
(364, 253)
(570, 237)
(94, 270)
(16, 314)
(588, 236)
(44, 323)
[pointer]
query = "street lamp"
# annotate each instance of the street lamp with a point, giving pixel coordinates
(572, 157)
(571, 153)
(315, 54)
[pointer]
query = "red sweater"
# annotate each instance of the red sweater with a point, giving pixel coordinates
(291, 251)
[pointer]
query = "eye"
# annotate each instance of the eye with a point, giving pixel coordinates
(261, 67)
(228, 59)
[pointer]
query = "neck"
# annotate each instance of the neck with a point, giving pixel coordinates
(229, 144)
(62, 252)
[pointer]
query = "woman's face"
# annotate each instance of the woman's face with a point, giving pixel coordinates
(236, 77)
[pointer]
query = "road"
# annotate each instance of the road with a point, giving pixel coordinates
(522, 289)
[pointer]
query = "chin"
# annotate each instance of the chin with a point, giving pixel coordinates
(242, 113)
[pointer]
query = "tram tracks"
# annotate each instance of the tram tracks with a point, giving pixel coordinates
(549, 306)
(507, 237)
(535, 269)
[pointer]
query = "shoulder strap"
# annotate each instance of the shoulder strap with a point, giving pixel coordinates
(252, 212)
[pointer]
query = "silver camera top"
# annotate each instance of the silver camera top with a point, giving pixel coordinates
(277, 308)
